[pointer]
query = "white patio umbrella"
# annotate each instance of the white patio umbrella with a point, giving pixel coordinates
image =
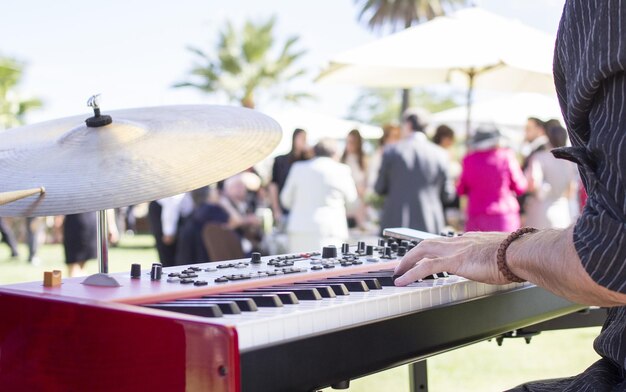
(505, 111)
(472, 48)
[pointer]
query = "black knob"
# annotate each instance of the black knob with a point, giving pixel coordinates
(256, 258)
(390, 241)
(360, 246)
(369, 250)
(135, 271)
(451, 234)
(404, 243)
(387, 251)
(345, 248)
(401, 250)
(381, 242)
(329, 252)
(156, 271)
(394, 247)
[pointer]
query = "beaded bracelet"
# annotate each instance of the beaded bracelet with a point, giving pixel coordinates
(501, 254)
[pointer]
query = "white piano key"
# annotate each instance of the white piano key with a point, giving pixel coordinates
(290, 326)
(260, 333)
(393, 305)
(305, 324)
(472, 290)
(405, 303)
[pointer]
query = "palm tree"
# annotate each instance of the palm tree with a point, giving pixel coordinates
(380, 106)
(244, 63)
(12, 107)
(380, 13)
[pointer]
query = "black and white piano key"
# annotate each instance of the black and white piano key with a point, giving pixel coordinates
(287, 297)
(338, 288)
(372, 283)
(261, 299)
(383, 279)
(209, 310)
(310, 317)
(245, 304)
(352, 285)
(302, 293)
(324, 291)
(226, 306)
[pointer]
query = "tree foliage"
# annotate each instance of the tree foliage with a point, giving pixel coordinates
(404, 13)
(12, 107)
(245, 62)
(381, 106)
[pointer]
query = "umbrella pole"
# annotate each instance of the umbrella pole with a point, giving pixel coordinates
(470, 91)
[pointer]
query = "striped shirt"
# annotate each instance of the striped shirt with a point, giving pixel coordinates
(590, 78)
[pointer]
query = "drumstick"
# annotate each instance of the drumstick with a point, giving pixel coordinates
(8, 197)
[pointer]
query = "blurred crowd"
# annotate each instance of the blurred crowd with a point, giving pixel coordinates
(329, 192)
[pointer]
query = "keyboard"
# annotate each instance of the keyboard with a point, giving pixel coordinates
(290, 322)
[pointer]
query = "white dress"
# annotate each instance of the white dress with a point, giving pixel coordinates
(360, 180)
(549, 205)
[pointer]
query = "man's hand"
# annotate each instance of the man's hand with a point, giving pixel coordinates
(472, 256)
(546, 258)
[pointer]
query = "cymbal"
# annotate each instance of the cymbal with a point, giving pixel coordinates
(144, 154)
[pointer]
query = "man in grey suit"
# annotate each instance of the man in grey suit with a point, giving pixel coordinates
(414, 178)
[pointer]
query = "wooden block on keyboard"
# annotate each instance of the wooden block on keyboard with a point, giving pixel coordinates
(52, 278)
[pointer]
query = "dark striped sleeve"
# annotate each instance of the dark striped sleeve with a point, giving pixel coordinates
(590, 64)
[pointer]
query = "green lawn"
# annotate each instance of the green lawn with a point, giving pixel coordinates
(486, 367)
(135, 249)
(480, 367)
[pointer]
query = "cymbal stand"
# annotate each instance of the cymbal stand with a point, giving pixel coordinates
(102, 278)
(103, 243)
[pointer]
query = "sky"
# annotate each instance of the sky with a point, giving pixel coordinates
(132, 51)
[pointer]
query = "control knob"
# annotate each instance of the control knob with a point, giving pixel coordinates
(329, 252)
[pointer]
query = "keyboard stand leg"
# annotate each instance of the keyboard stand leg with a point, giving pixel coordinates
(418, 377)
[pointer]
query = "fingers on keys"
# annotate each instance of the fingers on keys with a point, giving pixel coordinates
(414, 256)
(425, 267)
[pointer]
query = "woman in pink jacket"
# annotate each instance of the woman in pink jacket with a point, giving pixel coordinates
(491, 179)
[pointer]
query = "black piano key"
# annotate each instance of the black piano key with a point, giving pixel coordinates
(227, 307)
(384, 280)
(323, 291)
(338, 288)
(208, 310)
(245, 304)
(353, 285)
(302, 293)
(261, 300)
(287, 297)
(385, 277)
(372, 283)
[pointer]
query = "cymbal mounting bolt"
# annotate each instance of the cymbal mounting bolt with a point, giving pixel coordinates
(98, 120)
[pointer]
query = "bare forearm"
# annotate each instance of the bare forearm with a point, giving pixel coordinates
(548, 259)
(273, 189)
